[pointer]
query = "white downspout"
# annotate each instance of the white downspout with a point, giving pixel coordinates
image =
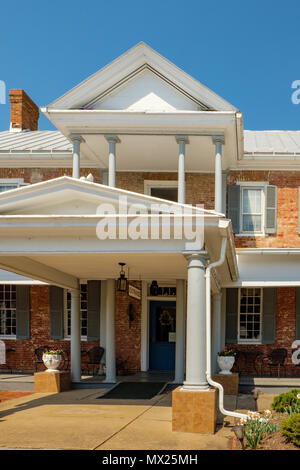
(208, 334)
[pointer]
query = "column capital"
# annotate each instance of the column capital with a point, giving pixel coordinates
(112, 138)
(182, 138)
(76, 137)
(217, 295)
(218, 139)
(203, 255)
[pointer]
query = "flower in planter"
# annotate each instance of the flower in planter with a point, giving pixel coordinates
(227, 352)
(53, 350)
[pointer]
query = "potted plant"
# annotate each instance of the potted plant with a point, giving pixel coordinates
(52, 358)
(225, 360)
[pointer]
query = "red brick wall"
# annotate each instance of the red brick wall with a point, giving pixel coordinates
(128, 335)
(287, 183)
(285, 333)
(23, 356)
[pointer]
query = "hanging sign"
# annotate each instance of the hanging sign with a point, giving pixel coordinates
(134, 292)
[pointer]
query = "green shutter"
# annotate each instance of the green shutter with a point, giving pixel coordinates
(234, 206)
(23, 312)
(271, 209)
(269, 316)
(56, 312)
(93, 314)
(297, 332)
(232, 308)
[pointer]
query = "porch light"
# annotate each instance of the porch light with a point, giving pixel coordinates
(154, 288)
(122, 281)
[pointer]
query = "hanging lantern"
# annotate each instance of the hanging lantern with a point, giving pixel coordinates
(154, 288)
(122, 281)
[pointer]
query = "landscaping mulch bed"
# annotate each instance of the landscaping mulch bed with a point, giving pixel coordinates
(274, 441)
(9, 395)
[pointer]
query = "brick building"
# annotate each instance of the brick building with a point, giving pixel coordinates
(144, 132)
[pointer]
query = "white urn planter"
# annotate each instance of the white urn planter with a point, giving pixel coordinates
(225, 363)
(52, 362)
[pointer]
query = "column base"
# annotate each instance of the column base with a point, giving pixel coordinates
(194, 410)
(52, 382)
(229, 382)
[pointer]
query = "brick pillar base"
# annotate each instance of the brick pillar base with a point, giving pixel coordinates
(194, 411)
(52, 382)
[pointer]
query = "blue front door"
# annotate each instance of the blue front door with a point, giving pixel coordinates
(162, 335)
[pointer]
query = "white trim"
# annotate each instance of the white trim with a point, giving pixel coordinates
(262, 187)
(149, 184)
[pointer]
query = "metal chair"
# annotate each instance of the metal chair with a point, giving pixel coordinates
(276, 359)
(94, 356)
(38, 355)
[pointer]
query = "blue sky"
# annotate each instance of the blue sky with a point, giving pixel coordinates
(247, 51)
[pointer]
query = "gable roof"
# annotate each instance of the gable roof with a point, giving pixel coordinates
(127, 66)
(272, 142)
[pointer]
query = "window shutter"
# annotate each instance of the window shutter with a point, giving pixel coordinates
(271, 209)
(56, 312)
(297, 332)
(234, 206)
(232, 298)
(93, 313)
(269, 316)
(23, 312)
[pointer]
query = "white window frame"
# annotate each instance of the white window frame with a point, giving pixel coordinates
(149, 184)
(250, 341)
(8, 336)
(262, 185)
(13, 182)
(66, 336)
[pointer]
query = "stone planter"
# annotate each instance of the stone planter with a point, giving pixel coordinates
(225, 363)
(52, 362)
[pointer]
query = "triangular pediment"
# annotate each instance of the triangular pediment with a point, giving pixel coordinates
(139, 79)
(67, 196)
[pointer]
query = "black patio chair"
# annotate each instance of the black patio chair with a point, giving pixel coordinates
(38, 356)
(94, 356)
(277, 359)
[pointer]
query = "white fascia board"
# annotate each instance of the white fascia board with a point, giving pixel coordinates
(30, 268)
(261, 284)
(128, 63)
(225, 228)
(89, 121)
(268, 251)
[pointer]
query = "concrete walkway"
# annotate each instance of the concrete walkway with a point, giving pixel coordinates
(78, 420)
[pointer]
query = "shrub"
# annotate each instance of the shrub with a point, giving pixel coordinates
(291, 428)
(287, 402)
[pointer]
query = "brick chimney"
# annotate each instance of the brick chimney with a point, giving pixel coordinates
(24, 113)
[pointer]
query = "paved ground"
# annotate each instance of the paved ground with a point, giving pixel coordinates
(78, 420)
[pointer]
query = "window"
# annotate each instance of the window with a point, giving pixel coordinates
(250, 315)
(83, 312)
(7, 310)
(252, 205)
(10, 183)
(162, 189)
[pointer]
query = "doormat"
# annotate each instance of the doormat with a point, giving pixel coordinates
(134, 391)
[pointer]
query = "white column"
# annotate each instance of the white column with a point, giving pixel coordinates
(103, 324)
(110, 332)
(112, 141)
(181, 140)
(180, 331)
(218, 141)
(196, 323)
(76, 139)
(75, 337)
(216, 329)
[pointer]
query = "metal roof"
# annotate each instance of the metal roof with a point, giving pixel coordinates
(255, 142)
(272, 142)
(34, 141)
